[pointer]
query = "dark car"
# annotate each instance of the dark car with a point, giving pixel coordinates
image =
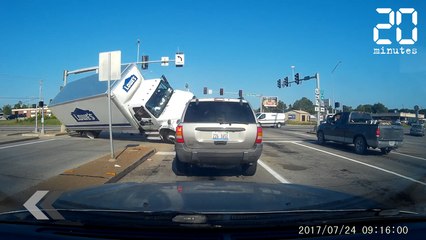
(417, 130)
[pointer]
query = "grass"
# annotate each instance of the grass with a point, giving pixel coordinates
(53, 121)
(292, 122)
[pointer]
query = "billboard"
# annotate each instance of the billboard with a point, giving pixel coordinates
(270, 101)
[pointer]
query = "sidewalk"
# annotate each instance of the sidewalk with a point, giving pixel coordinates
(97, 172)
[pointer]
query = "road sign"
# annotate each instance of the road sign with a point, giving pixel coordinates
(164, 61)
(322, 109)
(109, 66)
(179, 59)
(316, 109)
(317, 102)
(317, 92)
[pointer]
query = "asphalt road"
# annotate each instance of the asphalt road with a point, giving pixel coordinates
(290, 156)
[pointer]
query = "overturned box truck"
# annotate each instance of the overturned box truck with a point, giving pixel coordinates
(148, 105)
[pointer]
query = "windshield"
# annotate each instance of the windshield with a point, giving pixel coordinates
(159, 99)
(306, 108)
(219, 112)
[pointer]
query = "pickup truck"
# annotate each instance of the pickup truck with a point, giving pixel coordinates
(360, 129)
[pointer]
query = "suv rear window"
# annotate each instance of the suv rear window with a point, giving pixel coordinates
(219, 112)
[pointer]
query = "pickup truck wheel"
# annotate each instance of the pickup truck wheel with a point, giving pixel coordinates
(168, 136)
(320, 138)
(360, 145)
(278, 125)
(385, 150)
(249, 169)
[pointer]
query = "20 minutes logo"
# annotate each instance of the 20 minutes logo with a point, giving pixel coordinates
(404, 40)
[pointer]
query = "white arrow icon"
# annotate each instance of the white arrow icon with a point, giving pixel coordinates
(31, 206)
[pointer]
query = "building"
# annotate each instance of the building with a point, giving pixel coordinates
(298, 115)
(401, 116)
(31, 112)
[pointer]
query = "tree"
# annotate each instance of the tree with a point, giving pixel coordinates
(347, 108)
(379, 108)
(7, 109)
(365, 108)
(305, 105)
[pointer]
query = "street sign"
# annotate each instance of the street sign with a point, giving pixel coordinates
(109, 66)
(322, 109)
(317, 103)
(316, 109)
(179, 59)
(164, 61)
(317, 91)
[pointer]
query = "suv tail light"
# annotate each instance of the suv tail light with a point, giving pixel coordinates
(259, 135)
(378, 132)
(179, 134)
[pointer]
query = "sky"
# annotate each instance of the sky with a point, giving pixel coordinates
(230, 44)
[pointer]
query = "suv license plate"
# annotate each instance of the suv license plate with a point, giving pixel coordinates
(220, 136)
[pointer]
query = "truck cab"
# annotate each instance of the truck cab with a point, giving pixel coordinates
(157, 107)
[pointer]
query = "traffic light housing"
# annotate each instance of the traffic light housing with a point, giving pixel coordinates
(41, 104)
(145, 59)
(240, 93)
(297, 78)
(285, 82)
(279, 83)
(221, 91)
(205, 90)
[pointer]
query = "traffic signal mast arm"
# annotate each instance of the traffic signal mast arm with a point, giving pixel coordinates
(297, 80)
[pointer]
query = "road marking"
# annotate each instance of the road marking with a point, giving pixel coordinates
(165, 153)
(23, 144)
(280, 141)
(403, 154)
(272, 172)
(365, 164)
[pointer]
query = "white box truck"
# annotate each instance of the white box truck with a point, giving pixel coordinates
(144, 104)
(271, 119)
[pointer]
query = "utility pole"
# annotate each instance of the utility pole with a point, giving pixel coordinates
(137, 55)
(42, 107)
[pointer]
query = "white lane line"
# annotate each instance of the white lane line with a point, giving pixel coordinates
(403, 154)
(23, 144)
(165, 153)
(365, 164)
(280, 141)
(272, 172)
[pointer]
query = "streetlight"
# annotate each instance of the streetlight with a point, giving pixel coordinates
(292, 71)
(332, 88)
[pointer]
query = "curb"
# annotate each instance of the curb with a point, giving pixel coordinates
(19, 140)
(130, 168)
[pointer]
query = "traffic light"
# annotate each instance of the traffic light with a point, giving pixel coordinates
(221, 91)
(240, 93)
(40, 104)
(145, 59)
(285, 82)
(296, 78)
(279, 83)
(336, 104)
(205, 90)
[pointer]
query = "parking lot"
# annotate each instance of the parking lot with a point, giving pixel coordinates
(290, 156)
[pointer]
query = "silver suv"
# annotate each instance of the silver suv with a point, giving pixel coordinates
(218, 132)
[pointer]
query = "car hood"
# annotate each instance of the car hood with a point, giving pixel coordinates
(209, 197)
